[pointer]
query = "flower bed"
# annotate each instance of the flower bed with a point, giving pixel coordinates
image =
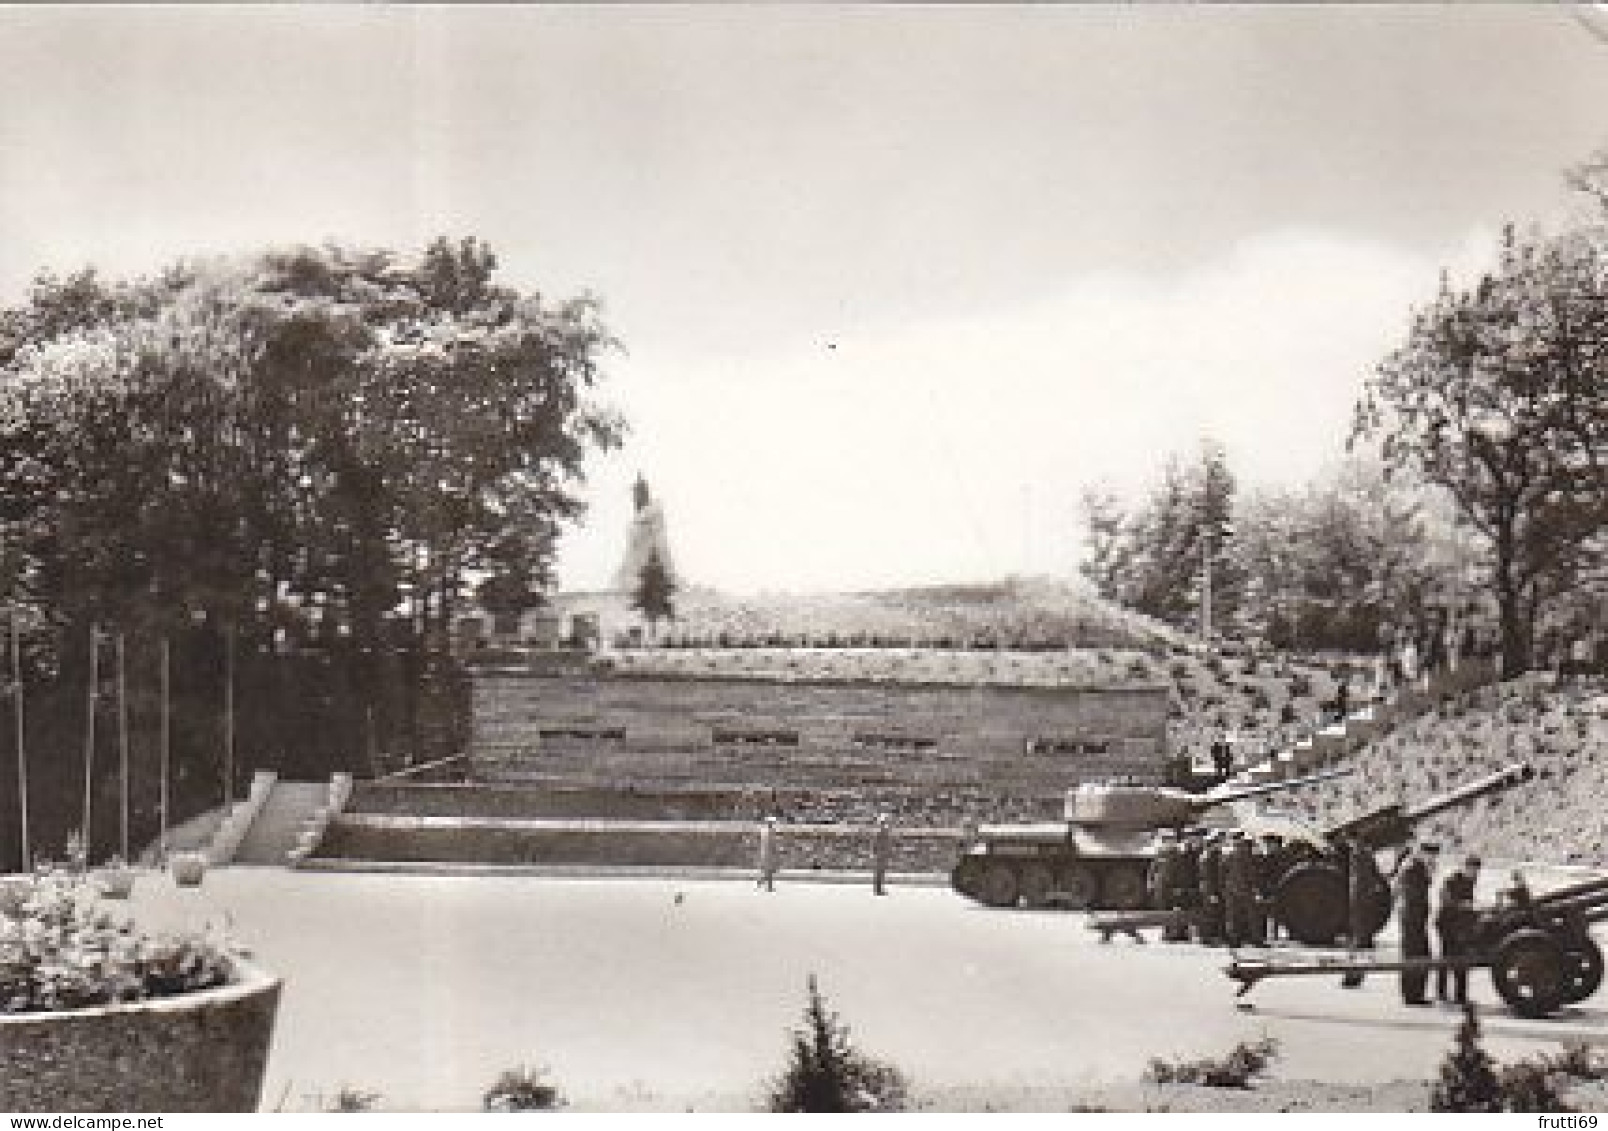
(98, 1016)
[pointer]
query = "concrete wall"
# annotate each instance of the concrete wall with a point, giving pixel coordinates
(667, 730)
(196, 1052)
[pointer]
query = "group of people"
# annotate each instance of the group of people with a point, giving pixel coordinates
(1220, 882)
(1455, 923)
(1221, 885)
(881, 853)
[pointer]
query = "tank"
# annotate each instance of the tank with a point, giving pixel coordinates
(1311, 897)
(1098, 856)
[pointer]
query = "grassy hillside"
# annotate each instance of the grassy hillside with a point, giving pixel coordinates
(1018, 613)
(1562, 731)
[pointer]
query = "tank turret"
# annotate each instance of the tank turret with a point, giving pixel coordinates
(1161, 807)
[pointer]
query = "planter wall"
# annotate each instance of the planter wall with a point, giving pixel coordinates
(199, 1052)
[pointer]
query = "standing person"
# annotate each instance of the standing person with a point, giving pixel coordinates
(1454, 922)
(1187, 885)
(1222, 757)
(1239, 893)
(1211, 891)
(881, 853)
(1409, 662)
(1162, 874)
(1163, 884)
(1362, 882)
(1412, 894)
(1270, 863)
(767, 853)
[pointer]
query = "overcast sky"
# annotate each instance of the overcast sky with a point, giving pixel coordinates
(896, 283)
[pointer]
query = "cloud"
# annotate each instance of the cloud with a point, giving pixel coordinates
(960, 450)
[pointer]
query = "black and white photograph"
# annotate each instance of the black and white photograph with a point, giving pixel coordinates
(757, 558)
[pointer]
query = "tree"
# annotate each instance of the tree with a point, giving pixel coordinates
(655, 590)
(826, 1073)
(317, 440)
(325, 428)
(1154, 559)
(1328, 566)
(1498, 397)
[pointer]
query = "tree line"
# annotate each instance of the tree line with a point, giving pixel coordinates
(1477, 486)
(317, 451)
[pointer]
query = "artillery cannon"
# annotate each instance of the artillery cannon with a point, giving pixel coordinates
(1311, 898)
(1539, 951)
(1099, 855)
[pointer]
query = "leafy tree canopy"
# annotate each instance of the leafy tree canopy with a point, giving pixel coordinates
(353, 431)
(1498, 396)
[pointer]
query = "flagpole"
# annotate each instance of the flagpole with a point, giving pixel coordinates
(228, 715)
(89, 738)
(165, 753)
(22, 752)
(122, 747)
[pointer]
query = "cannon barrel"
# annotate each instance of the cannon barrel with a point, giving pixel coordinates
(1392, 824)
(1506, 778)
(1224, 796)
(1588, 892)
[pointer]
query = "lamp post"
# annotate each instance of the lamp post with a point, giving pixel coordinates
(1213, 534)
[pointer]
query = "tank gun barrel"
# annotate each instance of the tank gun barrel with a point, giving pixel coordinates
(1223, 797)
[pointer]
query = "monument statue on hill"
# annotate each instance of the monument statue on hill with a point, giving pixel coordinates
(645, 540)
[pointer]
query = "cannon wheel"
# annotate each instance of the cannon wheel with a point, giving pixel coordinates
(1036, 882)
(1311, 902)
(997, 886)
(1078, 885)
(1125, 888)
(1531, 972)
(1582, 970)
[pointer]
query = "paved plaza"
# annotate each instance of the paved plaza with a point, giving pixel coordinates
(667, 994)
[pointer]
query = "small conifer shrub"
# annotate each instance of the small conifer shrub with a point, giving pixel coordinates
(826, 1073)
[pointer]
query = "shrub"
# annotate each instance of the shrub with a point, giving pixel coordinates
(350, 1100)
(1578, 1061)
(825, 1073)
(1300, 685)
(1527, 1086)
(1235, 1070)
(60, 949)
(1469, 1079)
(521, 1089)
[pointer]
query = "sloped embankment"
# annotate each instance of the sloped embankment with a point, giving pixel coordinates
(1562, 731)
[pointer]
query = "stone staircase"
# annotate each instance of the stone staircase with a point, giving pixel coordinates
(276, 831)
(1329, 744)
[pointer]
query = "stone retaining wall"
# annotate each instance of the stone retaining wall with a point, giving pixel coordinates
(755, 732)
(689, 844)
